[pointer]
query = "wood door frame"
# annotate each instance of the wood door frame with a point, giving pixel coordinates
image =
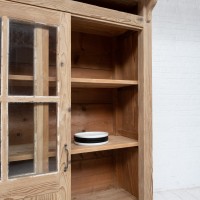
(55, 185)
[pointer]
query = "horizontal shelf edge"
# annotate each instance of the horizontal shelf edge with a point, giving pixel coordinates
(115, 142)
(101, 83)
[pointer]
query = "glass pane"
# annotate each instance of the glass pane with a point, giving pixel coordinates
(32, 53)
(52, 60)
(30, 122)
(21, 138)
(21, 58)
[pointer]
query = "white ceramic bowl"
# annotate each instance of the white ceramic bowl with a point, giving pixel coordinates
(91, 138)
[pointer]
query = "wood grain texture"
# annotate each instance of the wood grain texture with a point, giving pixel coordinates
(26, 152)
(31, 99)
(41, 88)
(127, 107)
(89, 60)
(95, 27)
(124, 6)
(64, 106)
(145, 109)
(91, 96)
(28, 13)
(127, 170)
(87, 168)
(115, 142)
(29, 187)
(90, 12)
(126, 56)
(101, 83)
(4, 106)
(108, 194)
(92, 117)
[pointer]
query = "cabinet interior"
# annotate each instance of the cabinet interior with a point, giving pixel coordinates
(101, 53)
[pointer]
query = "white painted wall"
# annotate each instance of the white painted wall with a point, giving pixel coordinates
(176, 94)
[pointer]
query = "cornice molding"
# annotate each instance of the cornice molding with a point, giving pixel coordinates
(150, 4)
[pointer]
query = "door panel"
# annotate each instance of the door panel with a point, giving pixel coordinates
(36, 93)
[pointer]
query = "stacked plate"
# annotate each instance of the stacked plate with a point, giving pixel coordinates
(91, 138)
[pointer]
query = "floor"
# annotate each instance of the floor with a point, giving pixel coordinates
(187, 194)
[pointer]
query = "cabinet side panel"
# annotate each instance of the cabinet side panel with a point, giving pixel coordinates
(127, 170)
(127, 112)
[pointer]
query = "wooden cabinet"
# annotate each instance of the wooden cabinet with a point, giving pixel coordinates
(73, 66)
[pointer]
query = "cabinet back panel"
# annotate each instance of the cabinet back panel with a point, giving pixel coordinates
(91, 96)
(105, 169)
(91, 56)
(92, 110)
(92, 117)
(92, 171)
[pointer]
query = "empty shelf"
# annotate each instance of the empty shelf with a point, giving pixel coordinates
(101, 83)
(109, 194)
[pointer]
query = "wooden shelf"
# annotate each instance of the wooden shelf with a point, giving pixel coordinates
(115, 142)
(26, 78)
(101, 83)
(25, 152)
(109, 194)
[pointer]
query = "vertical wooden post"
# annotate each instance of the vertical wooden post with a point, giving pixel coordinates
(64, 109)
(4, 105)
(41, 88)
(145, 102)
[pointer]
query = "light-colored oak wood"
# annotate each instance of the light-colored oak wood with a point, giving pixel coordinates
(109, 194)
(26, 78)
(64, 106)
(87, 11)
(31, 187)
(33, 99)
(29, 13)
(123, 107)
(115, 142)
(94, 27)
(4, 106)
(101, 83)
(145, 107)
(41, 88)
(124, 6)
(26, 152)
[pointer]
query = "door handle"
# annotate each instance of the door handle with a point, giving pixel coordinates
(67, 158)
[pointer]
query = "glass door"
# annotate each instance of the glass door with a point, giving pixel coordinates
(35, 102)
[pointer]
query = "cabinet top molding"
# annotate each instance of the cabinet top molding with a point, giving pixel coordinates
(150, 4)
(88, 11)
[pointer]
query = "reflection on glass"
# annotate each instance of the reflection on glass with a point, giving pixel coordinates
(29, 122)
(21, 58)
(52, 60)
(32, 53)
(53, 137)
